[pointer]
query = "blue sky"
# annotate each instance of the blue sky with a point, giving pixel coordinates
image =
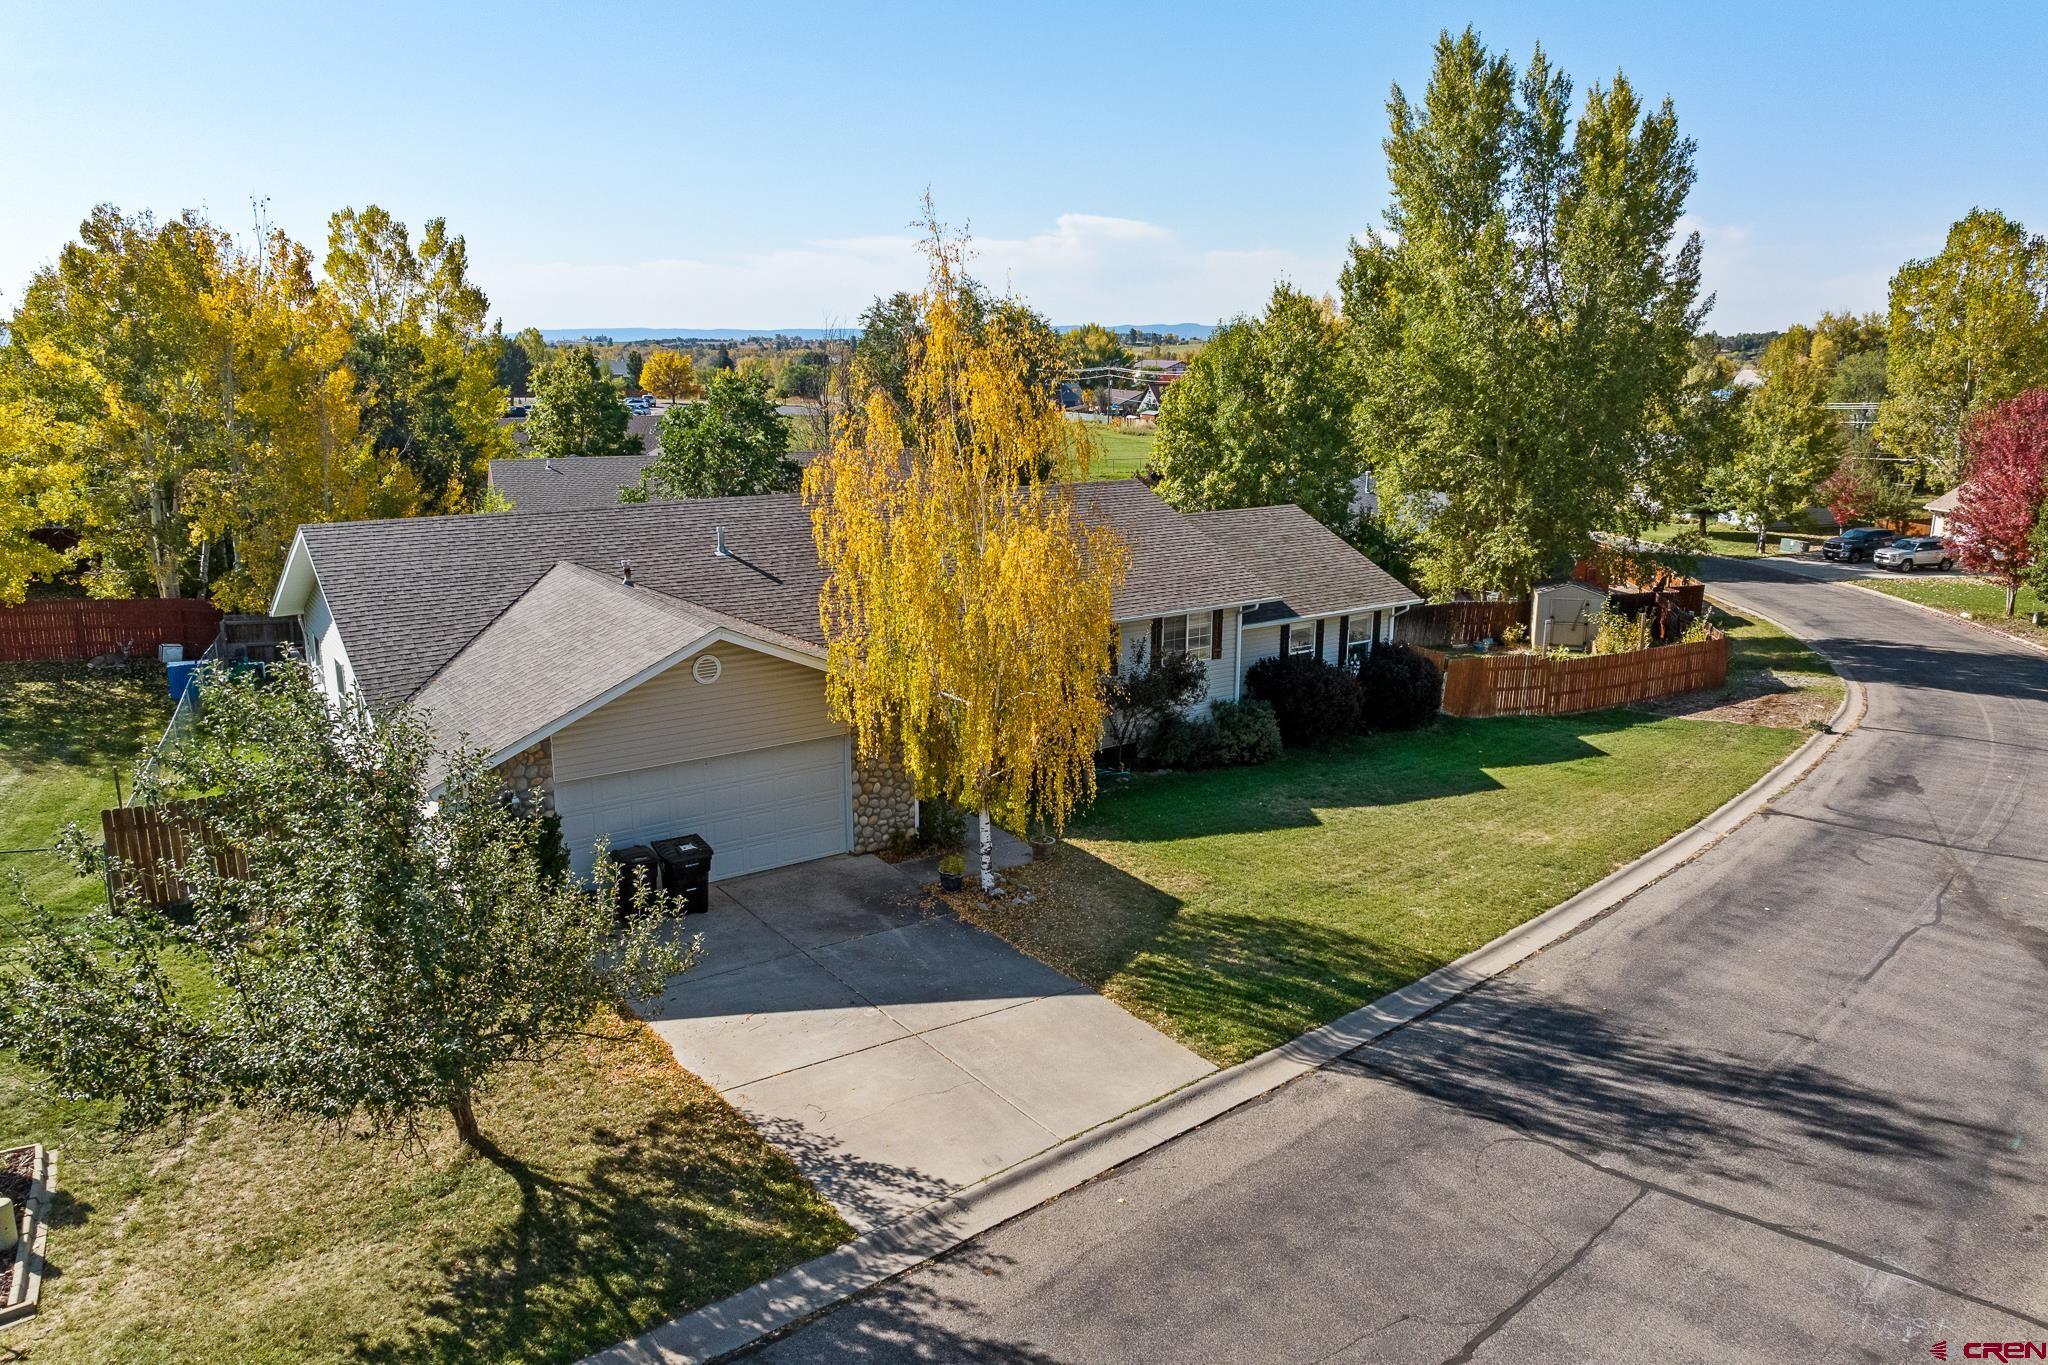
(757, 164)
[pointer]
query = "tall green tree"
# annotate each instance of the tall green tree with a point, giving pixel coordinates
(576, 409)
(430, 393)
(381, 959)
(1968, 329)
(1525, 318)
(1263, 415)
(1092, 346)
(732, 443)
(1787, 442)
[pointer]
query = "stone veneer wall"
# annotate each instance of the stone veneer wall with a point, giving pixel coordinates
(883, 805)
(531, 775)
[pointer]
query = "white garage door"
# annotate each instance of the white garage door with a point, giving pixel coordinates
(759, 809)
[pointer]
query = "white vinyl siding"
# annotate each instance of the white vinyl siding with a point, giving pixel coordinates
(325, 650)
(1136, 636)
(758, 701)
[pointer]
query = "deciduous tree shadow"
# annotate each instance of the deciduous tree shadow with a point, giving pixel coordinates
(1579, 1078)
(61, 713)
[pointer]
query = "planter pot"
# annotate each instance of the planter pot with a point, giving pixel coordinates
(1041, 848)
(950, 881)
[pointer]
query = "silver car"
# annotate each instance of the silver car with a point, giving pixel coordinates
(1914, 552)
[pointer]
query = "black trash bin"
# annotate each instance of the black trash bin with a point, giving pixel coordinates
(638, 866)
(686, 871)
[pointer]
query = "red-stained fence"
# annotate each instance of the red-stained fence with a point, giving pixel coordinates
(73, 628)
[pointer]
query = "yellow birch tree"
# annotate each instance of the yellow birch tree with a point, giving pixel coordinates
(671, 375)
(967, 603)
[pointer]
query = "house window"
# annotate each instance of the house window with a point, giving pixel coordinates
(1198, 637)
(1173, 636)
(1301, 638)
(340, 686)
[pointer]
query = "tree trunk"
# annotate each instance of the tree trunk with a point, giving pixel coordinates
(2012, 597)
(464, 1114)
(986, 855)
(1703, 523)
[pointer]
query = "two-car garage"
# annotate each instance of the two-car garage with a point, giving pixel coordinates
(740, 750)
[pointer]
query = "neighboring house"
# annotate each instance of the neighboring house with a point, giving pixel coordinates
(1125, 402)
(1155, 375)
(1942, 511)
(654, 670)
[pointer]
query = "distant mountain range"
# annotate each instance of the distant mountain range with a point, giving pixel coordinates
(1193, 331)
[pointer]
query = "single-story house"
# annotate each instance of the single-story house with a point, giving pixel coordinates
(1941, 511)
(657, 669)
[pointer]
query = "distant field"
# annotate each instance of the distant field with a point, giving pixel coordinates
(1120, 454)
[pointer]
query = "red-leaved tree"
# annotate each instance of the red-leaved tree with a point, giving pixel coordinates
(1850, 494)
(1992, 530)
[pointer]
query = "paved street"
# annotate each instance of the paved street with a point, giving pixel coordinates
(1787, 1105)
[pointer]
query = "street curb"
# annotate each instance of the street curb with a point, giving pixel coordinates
(1987, 628)
(805, 1291)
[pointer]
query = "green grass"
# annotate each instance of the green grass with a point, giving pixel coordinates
(1757, 646)
(1723, 539)
(1238, 909)
(63, 734)
(1985, 601)
(1120, 453)
(628, 1190)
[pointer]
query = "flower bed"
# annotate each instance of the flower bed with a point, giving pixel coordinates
(27, 1176)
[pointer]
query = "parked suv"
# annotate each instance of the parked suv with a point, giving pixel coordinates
(1859, 543)
(1914, 552)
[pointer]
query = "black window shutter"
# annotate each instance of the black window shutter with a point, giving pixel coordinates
(1216, 634)
(1158, 636)
(1343, 638)
(1285, 642)
(1319, 637)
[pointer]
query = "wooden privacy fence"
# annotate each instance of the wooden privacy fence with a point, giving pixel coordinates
(1448, 625)
(149, 846)
(1533, 685)
(73, 628)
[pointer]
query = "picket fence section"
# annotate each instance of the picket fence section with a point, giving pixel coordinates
(70, 629)
(1533, 685)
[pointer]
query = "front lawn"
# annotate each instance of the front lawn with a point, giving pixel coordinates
(1238, 909)
(1985, 601)
(627, 1191)
(1723, 539)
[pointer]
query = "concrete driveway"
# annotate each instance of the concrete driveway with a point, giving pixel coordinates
(896, 1053)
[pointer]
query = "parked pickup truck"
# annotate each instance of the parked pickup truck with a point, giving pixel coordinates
(1858, 543)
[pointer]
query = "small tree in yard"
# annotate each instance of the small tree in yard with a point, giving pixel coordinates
(966, 607)
(1147, 690)
(1851, 495)
(1993, 530)
(671, 375)
(381, 959)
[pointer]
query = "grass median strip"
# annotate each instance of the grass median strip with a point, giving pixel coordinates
(1983, 600)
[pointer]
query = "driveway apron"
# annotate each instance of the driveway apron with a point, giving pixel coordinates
(896, 1053)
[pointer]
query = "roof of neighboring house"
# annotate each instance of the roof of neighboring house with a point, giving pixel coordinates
(425, 603)
(567, 485)
(1947, 502)
(573, 636)
(1308, 569)
(1125, 395)
(1159, 364)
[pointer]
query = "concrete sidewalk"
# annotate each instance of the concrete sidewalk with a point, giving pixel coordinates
(896, 1053)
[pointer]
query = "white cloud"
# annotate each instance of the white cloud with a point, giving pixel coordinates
(1084, 267)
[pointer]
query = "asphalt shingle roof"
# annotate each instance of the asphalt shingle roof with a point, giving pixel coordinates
(411, 595)
(574, 635)
(1307, 568)
(567, 485)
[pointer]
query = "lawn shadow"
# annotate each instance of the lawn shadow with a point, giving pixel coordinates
(1450, 758)
(61, 713)
(1226, 982)
(1586, 1081)
(670, 1216)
